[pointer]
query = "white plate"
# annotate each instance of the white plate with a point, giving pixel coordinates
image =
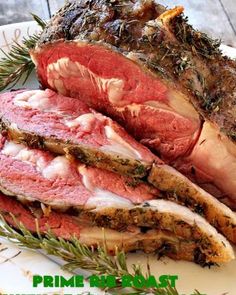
(19, 270)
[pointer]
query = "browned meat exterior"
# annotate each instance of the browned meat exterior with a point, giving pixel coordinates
(213, 248)
(109, 199)
(218, 99)
(168, 45)
(38, 118)
(148, 69)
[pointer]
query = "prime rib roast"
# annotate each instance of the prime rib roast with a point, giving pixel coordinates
(111, 70)
(145, 67)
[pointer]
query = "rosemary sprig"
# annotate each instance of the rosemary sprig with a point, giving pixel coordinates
(198, 42)
(17, 63)
(77, 255)
(39, 21)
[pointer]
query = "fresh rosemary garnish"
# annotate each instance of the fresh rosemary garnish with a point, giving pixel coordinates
(194, 40)
(17, 63)
(79, 256)
(39, 21)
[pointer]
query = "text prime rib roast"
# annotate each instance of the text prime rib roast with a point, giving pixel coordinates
(137, 112)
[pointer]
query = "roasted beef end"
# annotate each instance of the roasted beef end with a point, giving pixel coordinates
(145, 67)
(170, 48)
(162, 242)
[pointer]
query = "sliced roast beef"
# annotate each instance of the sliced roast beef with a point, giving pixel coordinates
(146, 68)
(40, 118)
(63, 125)
(106, 198)
(206, 247)
(61, 182)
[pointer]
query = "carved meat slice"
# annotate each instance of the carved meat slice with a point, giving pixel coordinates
(204, 247)
(105, 198)
(65, 125)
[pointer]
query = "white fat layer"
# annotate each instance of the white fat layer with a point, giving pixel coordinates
(84, 122)
(58, 167)
(114, 90)
(157, 105)
(59, 85)
(191, 218)
(93, 235)
(101, 198)
(24, 154)
(35, 99)
(85, 179)
(13, 126)
(39, 99)
(177, 104)
(104, 199)
(182, 106)
(133, 108)
(96, 235)
(119, 146)
(66, 68)
(29, 156)
(12, 149)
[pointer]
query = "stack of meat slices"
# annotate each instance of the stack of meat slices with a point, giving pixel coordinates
(79, 173)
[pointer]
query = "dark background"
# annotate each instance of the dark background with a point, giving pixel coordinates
(216, 17)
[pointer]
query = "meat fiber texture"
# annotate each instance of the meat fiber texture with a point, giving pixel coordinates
(167, 84)
(45, 119)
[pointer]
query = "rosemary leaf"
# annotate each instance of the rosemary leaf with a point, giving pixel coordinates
(39, 21)
(17, 63)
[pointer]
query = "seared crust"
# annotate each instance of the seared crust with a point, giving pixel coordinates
(175, 186)
(85, 154)
(170, 236)
(185, 193)
(173, 50)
